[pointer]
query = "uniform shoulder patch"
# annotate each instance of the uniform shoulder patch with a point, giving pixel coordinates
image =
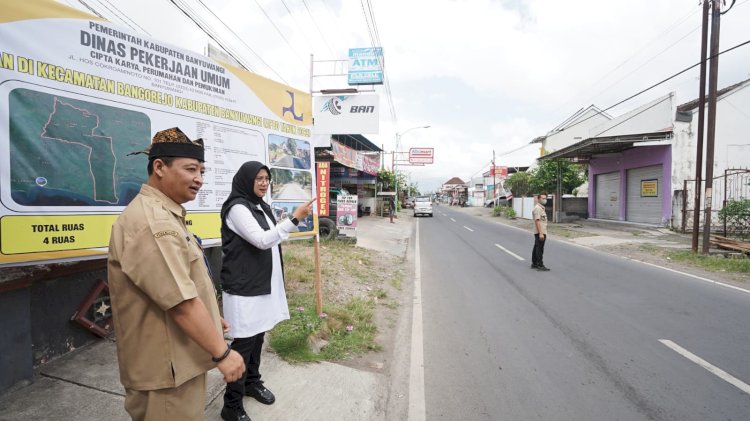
(166, 232)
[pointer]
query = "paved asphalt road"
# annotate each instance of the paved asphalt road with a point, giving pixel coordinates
(586, 341)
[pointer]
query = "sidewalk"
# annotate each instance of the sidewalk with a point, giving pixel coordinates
(85, 385)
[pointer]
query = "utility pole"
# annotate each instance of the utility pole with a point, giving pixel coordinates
(701, 120)
(713, 73)
(494, 178)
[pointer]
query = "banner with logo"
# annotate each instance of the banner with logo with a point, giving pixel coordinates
(347, 114)
(78, 94)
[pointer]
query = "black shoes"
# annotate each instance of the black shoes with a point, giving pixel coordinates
(238, 414)
(542, 268)
(260, 393)
(533, 266)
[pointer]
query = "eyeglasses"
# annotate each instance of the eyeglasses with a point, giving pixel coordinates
(263, 180)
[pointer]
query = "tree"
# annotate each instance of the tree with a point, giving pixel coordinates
(544, 177)
(519, 184)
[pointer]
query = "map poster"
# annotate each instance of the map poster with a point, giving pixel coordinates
(74, 107)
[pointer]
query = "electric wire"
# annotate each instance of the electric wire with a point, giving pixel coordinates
(91, 9)
(296, 23)
(278, 30)
(242, 41)
(128, 17)
(211, 35)
(330, 50)
(123, 21)
(654, 85)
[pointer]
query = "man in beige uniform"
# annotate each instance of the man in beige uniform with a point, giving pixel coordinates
(166, 318)
(540, 233)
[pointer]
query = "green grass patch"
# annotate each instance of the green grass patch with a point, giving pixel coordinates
(713, 263)
(349, 330)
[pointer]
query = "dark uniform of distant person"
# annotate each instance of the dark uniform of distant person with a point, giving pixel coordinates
(166, 317)
(252, 278)
(540, 233)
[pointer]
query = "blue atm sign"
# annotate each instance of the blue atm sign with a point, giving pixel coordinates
(365, 66)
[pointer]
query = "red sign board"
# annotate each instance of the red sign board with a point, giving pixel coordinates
(421, 155)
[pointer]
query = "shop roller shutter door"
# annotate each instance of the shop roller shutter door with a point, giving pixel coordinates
(644, 209)
(608, 195)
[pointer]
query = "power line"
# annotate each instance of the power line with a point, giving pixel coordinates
(277, 29)
(126, 16)
(318, 28)
(210, 35)
(241, 40)
(653, 86)
(296, 23)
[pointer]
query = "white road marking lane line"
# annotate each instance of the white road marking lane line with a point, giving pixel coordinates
(468, 228)
(453, 220)
(417, 408)
(734, 381)
(509, 252)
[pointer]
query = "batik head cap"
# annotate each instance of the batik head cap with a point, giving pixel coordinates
(173, 142)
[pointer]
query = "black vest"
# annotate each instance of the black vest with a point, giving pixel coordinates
(245, 270)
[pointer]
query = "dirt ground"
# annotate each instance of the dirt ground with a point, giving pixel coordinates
(348, 271)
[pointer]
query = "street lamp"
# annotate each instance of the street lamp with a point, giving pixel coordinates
(393, 160)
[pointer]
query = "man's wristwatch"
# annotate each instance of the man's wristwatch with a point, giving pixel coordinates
(294, 220)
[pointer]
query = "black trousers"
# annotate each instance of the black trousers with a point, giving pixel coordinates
(250, 349)
(537, 255)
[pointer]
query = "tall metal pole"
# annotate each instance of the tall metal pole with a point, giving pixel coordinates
(701, 120)
(494, 178)
(713, 73)
(318, 282)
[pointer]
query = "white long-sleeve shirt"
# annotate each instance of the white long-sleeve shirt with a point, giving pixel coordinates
(248, 316)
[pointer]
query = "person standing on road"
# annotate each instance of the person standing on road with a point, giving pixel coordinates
(166, 318)
(252, 278)
(392, 208)
(540, 233)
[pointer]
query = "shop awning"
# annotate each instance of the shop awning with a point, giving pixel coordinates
(584, 150)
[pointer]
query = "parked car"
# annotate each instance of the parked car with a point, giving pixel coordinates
(498, 201)
(423, 206)
(409, 203)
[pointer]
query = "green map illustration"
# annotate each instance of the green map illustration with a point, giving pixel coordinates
(67, 152)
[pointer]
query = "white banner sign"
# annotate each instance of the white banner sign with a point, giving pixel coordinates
(346, 114)
(73, 108)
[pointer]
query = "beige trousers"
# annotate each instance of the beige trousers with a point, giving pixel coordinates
(186, 402)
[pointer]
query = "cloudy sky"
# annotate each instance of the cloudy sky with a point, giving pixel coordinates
(485, 75)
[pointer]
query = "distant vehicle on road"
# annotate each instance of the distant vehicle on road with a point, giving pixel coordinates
(423, 206)
(498, 201)
(409, 203)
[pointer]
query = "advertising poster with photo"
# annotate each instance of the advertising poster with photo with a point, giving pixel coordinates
(346, 215)
(72, 109)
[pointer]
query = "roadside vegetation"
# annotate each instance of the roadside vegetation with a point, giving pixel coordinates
(357, 283)
(504, 211)
(735, 263)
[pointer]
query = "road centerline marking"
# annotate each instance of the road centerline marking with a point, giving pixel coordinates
(468, 228)
(509, 252)
(734, 381)
(453, 220)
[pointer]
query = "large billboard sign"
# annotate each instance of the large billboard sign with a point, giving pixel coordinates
(365, 66)
(347, 114)
(73, 107)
